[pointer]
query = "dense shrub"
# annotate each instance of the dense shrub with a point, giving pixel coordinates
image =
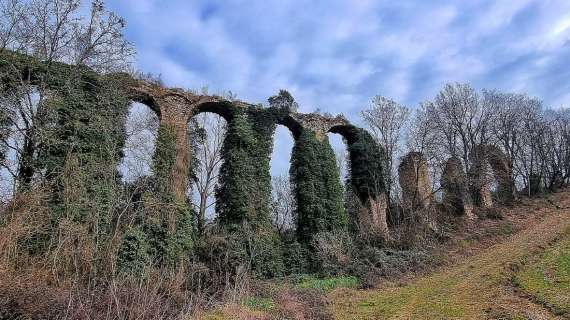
(133, 256)
(296, 258)
(340, 254)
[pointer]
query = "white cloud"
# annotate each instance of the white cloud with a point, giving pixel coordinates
(336, 55)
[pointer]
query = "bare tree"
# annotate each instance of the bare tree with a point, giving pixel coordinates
(210, 131)
(342, 161)
(387, 119)
(282, 204)
(100, 43)
(423, 136)
(534, 140)
(13, 20)
(55, 30)
(141, 132)
(461, 119)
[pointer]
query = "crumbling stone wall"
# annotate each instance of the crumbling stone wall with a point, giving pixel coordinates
(372, 216)
(488, 163)
(456, 197)
(417, 194)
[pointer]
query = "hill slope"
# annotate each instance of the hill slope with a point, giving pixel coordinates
(513, 279)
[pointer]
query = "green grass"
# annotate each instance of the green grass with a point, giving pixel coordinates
(328, 284)
(431, 300)
(259, 304)
(548, 279)
(474, 287)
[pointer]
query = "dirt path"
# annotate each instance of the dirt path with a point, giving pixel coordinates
(478, 287)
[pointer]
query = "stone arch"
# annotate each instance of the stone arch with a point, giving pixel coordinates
(294, 126)
(482, 157)
(366, 177)
(148, 101)
(245, 189)
(222, 108)
(456, 197)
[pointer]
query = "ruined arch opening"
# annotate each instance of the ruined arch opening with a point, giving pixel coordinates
(283, 204)
(367, 179)
(491, 176)
(141, 128)
(20, 105)
(222, 109)
(207, 132)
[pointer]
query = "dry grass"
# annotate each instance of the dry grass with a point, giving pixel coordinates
(64, 282)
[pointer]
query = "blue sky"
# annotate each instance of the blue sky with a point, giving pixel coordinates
(335, 55)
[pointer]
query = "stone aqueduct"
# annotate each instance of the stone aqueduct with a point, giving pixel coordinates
(249, 139)
(175, 107)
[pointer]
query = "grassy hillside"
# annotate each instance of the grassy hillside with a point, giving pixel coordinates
(547, 279)
(481, 287)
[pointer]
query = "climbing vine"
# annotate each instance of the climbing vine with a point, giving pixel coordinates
(315, 177)
(79, 146)
(244, 190)
(367, 173)
(163, 233)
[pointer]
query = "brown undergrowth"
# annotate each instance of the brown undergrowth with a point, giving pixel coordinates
(73, 279)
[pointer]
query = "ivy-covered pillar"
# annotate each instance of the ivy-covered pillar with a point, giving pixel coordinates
(367, 178)
(317, 189)
(80, 146)
(163, 235)
(244, 190)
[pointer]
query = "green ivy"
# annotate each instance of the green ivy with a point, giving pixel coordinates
(367, 164)
(244, 189)
(318, 191)
(79, 147)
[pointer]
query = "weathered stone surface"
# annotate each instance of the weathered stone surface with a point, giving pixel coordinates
(319, 124)
(417, 192)
(372, 217)
(414, 181)
(456, 198)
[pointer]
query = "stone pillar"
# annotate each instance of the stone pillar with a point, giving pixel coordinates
(480, 178)
(456, 198)
(174, 113)
(318, 191)
(414, 181)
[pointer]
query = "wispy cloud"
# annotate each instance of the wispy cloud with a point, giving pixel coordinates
(336, 55)
(326, 51)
